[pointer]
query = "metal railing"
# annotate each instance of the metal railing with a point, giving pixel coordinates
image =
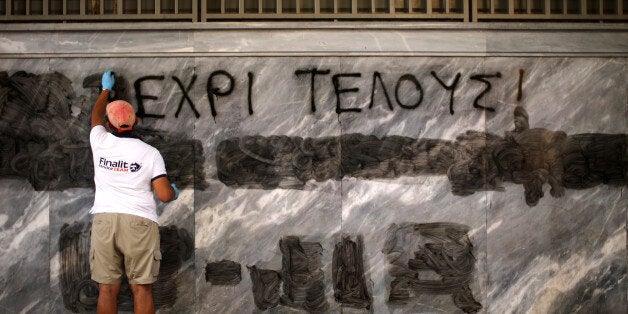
(213, 10)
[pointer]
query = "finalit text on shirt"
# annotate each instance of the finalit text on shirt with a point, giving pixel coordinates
(118, 166)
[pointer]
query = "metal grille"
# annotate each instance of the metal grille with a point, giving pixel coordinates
(213, 10)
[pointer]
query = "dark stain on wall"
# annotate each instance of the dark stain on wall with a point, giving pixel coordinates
(350, 287)
(474, 161)
(266, 287)
(440, 261)
(80, 293)
(223, 273)
(42, 140)
(301, 277)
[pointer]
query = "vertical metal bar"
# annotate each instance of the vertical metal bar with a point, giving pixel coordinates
(28, 7)
(279, 7)
(298, 9)
(565, 7)
(176, 6)
(601, 7)
(446, 6)
(195, 16)
(354, 6)
(583, 7)
(511, 7)
(157, 7)
(119, 7)
(528, 8)
(259, 6)
(335, 6)
(465, 10)
(222, 7)
(317, 7)
(139, 6)
(428, 6)
(45, 7)
(391, 6)
(372, 6)
(102, 7)
(65, 7)
(620, 7)
(81, 8)
(241, 6)
(8, 8)
(547, 8)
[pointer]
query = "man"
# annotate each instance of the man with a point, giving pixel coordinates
(125, 234)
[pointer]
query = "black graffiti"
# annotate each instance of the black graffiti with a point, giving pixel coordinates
(139, 97)
(348, 274)
(443, 248)
(483, 78)
(520, 86)
(223, 273)
(314, 72)
(43, 141)
(185, 96)
(451, 87)
(339, 91)
(378, 77)
(80, 293)
(417, 85)
(215, 91)
(474, 161)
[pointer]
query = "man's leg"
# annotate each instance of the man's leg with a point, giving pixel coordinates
(143, 299)
(108, 298)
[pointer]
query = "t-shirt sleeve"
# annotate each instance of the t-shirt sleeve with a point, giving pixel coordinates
(159, 167)
(97, 135)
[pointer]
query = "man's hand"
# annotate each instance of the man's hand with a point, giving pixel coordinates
(98, 112)
(108, 80)
(175, 190)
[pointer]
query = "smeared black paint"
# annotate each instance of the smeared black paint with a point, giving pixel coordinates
(475, 161)
(223, 273)
(266, 284)
(303, 279)
(442, 248)
(44, 142)
(80, 293)
(348, 274)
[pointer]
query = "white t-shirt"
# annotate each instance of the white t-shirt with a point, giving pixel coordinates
(124, 168)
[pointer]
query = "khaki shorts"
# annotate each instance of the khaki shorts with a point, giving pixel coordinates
(124, 244)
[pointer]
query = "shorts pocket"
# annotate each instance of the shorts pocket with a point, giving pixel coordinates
(156, 263)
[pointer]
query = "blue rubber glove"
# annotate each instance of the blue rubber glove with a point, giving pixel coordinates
(108, 80)
(176, 191)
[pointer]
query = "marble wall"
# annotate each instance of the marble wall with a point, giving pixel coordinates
(415, 157)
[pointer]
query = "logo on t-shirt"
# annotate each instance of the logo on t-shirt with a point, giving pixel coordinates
(118, 165)
(135, 167)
